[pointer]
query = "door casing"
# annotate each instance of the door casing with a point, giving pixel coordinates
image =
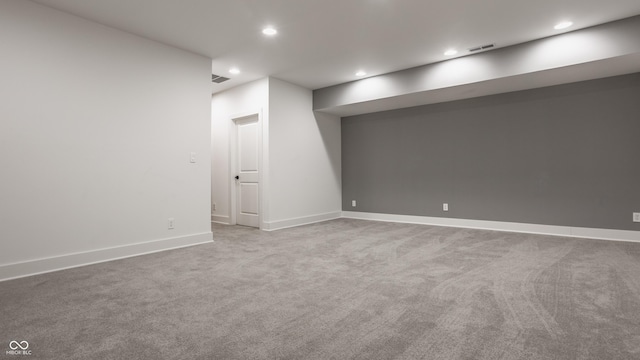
(233, 164)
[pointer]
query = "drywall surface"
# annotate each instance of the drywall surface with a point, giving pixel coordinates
(97, 128)
(227, 105)
(563, 155)
(597, 52)
(304, 156)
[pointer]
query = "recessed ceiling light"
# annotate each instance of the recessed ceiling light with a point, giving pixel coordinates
(269, 31)
(451, 52)
(234, 71)
(361, 73)
(563, 25)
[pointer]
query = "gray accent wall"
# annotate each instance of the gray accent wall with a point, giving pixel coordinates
(563, 155)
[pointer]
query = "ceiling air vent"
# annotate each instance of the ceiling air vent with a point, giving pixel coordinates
(482, 47)
(218, 79)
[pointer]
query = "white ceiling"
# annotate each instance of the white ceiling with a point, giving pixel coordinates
(323, 42)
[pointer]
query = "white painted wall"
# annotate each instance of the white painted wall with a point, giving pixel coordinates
(301, 179)
(251, 97)
(96, 128)
(304, 158)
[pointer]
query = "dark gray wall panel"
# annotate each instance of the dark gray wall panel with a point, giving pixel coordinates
(563, 155)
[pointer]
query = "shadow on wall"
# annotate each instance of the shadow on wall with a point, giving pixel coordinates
(332, 142)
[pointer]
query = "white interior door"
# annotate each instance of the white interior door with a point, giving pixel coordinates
(248, 173)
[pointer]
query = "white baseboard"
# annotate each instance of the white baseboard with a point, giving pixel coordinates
(40, 266)
(569, 231)
(287, 223)
(220, 219)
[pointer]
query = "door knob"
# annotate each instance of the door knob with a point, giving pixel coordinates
(237, 177)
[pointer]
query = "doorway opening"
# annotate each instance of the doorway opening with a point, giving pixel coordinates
(245, 165)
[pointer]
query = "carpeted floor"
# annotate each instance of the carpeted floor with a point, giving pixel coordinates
(343, 289)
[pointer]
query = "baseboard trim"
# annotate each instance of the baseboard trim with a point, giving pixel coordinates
(41, 266)
(304, 220)
(568, 231)
(220, 219)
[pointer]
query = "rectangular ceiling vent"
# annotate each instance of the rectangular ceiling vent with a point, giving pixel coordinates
(482, 47)
(218, 79)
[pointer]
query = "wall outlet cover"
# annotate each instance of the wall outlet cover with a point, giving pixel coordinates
(636, 217)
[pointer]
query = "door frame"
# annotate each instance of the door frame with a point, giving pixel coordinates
(233, 164)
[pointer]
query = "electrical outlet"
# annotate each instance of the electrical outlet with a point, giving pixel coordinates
(445, 207)
(353, 203)
(171, 223)
(636, 217)
(213, 207)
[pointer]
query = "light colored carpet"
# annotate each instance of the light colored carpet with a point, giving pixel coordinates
(343, 289)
